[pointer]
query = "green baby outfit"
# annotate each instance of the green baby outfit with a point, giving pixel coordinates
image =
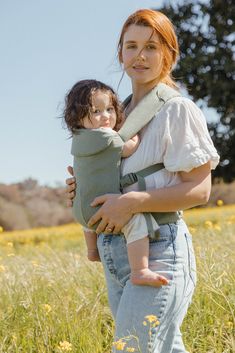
(97, 159)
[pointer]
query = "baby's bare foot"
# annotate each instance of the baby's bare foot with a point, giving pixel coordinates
(146, 277)
(93, 255)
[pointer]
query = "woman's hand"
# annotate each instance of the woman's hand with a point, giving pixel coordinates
(71, 187)
(114, 213)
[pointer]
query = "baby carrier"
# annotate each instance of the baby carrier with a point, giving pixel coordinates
(99, 150)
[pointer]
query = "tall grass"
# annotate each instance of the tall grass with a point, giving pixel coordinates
(53, 300)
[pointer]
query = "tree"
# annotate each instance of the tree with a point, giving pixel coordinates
(206, 37)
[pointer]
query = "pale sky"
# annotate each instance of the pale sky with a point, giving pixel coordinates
(46, 46)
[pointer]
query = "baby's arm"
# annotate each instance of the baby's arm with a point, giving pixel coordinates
(130, 146)
(91, 242)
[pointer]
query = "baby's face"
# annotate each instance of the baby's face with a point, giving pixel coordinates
(103, 113)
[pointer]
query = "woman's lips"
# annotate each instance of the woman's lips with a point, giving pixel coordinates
(140, 68)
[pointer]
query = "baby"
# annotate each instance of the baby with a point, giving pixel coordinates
(93, 115)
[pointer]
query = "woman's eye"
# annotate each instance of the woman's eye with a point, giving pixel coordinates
(110, 109)
(151, 47)
(96, 111)
(131, 46)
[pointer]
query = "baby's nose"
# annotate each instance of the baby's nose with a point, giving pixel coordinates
(105, 115)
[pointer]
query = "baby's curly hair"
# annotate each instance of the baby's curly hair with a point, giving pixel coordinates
(78, 103)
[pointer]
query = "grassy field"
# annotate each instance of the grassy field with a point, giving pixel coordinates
(53, 300)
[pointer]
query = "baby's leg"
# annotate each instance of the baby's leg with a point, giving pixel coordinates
(91, 242)
(138, 255)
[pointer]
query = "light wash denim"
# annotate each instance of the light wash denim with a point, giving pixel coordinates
(171, 255)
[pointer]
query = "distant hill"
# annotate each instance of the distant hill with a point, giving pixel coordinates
(27, 204)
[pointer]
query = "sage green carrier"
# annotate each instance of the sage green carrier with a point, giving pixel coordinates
(97, 159)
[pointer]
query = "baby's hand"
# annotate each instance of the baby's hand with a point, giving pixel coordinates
(131, 146)
(136, 140)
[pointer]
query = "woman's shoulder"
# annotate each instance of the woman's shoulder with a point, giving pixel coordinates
(181, 108)
(181, 101)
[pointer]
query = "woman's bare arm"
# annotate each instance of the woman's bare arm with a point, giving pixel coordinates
(194, 190)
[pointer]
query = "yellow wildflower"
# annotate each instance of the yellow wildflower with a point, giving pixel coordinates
(220, 202)
(11, 254)
(130, 349)
(144, 323)
(1, 229)
(217, 227)
(192, 230)
(10, 244)
(151, 318)
(34, 263)
(229, 324)
(156, 323)
(14, 338)
(46, 308)
(119, 345)
(2, 268)
(232, 219)
(65, 346)
(208, 224)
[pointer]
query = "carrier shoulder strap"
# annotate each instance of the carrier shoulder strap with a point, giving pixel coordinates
(146, 110)
(136, 120)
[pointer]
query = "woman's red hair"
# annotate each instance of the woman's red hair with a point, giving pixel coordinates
(165, 30)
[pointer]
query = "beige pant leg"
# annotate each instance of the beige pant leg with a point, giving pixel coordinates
(136, 228)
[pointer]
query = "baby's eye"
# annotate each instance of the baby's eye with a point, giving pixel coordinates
(96, 111)
(110, 109)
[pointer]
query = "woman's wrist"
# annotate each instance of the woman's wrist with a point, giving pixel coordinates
(134, 200)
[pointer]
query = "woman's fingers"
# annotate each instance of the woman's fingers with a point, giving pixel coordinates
(70, 181)
(69, 203)
(101, 227)
(95, 218)
(117, 229)
(71, 195)
(71, 187)
(99, 200)
(70, 170)
(114, 211)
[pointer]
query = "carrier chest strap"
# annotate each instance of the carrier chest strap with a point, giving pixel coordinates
(132, 178)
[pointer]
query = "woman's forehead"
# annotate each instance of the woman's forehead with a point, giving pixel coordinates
(138, 33)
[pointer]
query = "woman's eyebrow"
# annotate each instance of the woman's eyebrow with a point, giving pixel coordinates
(130, 41)
(152, 41)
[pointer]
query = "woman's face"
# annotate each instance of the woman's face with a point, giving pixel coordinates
(142, 55)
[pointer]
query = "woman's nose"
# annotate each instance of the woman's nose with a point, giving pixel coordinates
(141, 54)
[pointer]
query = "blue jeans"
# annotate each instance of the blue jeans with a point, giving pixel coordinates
(171, 255)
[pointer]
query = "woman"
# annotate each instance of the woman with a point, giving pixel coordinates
(178, 137)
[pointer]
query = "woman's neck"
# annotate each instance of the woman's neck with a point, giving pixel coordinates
(139, 91)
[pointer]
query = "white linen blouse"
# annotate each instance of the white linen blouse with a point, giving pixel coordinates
(178, 137)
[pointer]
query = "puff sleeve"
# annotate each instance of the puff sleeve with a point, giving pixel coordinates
(187, 142)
